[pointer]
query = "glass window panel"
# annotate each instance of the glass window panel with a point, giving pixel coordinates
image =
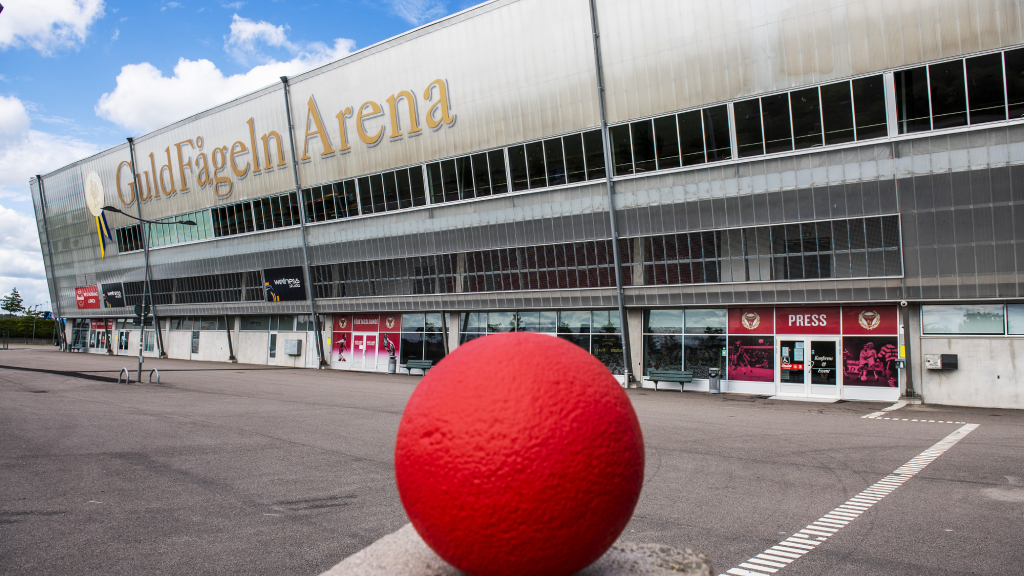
(962, 319)
(581, 340)
(535, 165)
(716, 133)
(234, 218)
(434, 183)
(949, 96)
(528, 321)
(555, 161)
(778, 133)
(255, 323)
(663, 353)
(332, 197)
(701, 353)
(664, 322)
(474, 322)
(574, 321)
(837, 113)
(594, 150)
(218, 224)
(517, 167)
(412, 322)
(366, 195)
(985, 88)
(496, 160)
(412, 347)
(451, 181)
(416, 186)
(622, 151)
(749, 139)
(608, 349)
(607, 321)
(575, 167)
(705, 321)
(666, 141)
(390, 191)
(869, 104)
(912, 110)
(258, 212)
(644, 159)
(465, 167)
(377, 192)
(501, 321)
(433, 347)
(481, 181)
(1015, 318)
(308, 195)
(1014, 62)
(341, 199)
(691, 138)
(293, 208)
(806, 119)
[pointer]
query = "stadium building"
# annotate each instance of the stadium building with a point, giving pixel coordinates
(821, 200)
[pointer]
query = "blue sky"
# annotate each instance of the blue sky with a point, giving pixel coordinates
(78, 76)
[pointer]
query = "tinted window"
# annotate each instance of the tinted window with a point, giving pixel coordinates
(778, 137)
(949, 96)
(716, 133)
(390, 190)
(622, 153)
(837, 114)
(535, 165)
(748, 128)
(517, 166)
(962, 319)
(434, 183)
(666, 142)
(404, 191)
(985, 88)
(496, 160)
(365, 199)
(377, 191)
(1014, 60)
(869, 103)
(450, 180)
(912, 112)
(464, 166)
(575, 168)
(594, 150)
(330, 204)
(691, 138)
(555, 162)
(806, 118)
(643, 146)
(350, 202)
(481, 180)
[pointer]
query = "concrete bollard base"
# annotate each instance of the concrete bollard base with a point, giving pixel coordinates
(404, 552)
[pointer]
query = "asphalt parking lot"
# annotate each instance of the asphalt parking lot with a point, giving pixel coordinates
(240, 469)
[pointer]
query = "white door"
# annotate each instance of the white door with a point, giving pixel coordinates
(808, 366)
(364, 351)
(194, 348)
(272, 352)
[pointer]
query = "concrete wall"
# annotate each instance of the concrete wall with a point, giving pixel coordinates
(213, 346)
(178, 344)
(293, 361)
(252, 347)
(987, 376)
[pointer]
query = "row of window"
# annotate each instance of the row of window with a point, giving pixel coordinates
(167, 231)
(982, 319)
(975, 90)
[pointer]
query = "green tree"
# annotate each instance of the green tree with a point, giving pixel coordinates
(12, 303)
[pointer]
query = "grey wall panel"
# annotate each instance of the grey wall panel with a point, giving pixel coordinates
(663, 55)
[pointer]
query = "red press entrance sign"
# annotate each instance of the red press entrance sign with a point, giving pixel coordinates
(817, 320)
(87, 297)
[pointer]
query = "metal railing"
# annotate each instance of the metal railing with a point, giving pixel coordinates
(127, 378)
(151, 376)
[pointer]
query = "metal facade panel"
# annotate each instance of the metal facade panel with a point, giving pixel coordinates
(664, 55)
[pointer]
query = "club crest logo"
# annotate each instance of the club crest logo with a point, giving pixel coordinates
(390, 322)
(869, 319)
(343, 322)
(750, 320)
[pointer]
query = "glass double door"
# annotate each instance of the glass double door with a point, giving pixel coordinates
(808, 367)
(364, 351)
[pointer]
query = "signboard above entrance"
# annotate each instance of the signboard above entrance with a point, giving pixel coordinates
(816, 320)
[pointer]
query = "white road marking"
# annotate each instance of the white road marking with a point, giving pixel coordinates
(782, 554)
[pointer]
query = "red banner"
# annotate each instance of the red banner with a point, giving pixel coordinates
(751, 321)
(87, 297)
(817, 320)
(100, 324)
(870, 320)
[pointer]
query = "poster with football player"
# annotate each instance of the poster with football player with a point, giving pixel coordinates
(870, 361)
(751, 358)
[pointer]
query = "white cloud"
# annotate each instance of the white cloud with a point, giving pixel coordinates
(418, 12)
(47, 25)
(144, 99)
(22, 258)
(234, 5)
(117, 33)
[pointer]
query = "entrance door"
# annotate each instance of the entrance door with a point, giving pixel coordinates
(272, 355)
(364, 351)
(122, 342)
(195, 345)
(809, 367)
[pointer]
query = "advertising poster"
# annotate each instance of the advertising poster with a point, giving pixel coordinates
(751, 321)
(870, 320)
(870, 361)
(283, 284)
(390, 338)
(113, 295)
(341, 340)
(751, 358)
(87, 297)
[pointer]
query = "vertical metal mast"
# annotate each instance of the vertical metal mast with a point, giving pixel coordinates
(145, 249)
(626, 355)
(302, 224)
(49, 251)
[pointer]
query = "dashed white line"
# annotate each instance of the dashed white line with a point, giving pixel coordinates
(816, 533)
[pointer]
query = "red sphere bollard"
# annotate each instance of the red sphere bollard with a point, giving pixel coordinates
(519, 454)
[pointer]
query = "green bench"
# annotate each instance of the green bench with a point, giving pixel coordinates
(418, 365)
(682, 377)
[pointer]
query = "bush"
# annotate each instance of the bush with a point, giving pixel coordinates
(21, 327)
